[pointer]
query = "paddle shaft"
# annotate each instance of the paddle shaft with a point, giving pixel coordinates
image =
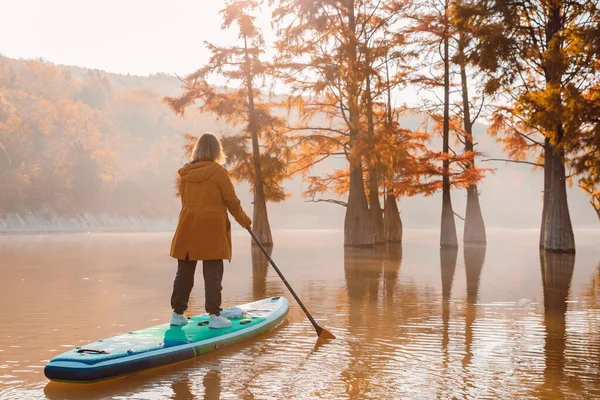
(312, 320)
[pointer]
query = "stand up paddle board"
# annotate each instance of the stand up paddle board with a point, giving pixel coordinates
(163, 344)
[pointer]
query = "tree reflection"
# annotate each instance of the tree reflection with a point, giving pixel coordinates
(362, 270)
(391, 269)
(212, 384)
(474, 256)
(557, 271)
(182, 390)
(448, 266)
(260, 266)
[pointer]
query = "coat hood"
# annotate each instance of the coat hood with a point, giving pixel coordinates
(199, 171)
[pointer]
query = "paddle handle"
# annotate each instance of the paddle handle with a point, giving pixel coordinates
(312, 320)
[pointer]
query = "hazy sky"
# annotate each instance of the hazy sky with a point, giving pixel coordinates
(126, 36)
(139, 37)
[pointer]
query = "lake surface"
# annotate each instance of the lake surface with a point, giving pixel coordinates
(412, 322)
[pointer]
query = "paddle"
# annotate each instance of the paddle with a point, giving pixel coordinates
(321, 332)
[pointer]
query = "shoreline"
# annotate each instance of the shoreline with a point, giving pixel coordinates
(37, 223)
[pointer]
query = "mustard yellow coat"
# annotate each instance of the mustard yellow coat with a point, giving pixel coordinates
(204, 231)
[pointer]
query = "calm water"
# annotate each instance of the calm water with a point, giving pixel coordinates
(412, 322)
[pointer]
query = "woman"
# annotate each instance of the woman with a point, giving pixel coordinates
(204, 232)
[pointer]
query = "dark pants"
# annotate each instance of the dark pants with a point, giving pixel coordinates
(184, 282)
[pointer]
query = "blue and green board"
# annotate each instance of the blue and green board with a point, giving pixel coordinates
(162, 344)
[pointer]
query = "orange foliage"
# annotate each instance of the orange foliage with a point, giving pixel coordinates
(243, 107)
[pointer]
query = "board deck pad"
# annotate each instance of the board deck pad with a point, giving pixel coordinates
(162, 344)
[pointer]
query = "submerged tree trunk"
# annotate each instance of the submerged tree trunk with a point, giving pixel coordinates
(375, 206)
(260, 219)
(474, 226)
(392, 222)
(358, 227)
(558, 231)
(448, 228)
(547, 183)
(358, 230)
(448, 236)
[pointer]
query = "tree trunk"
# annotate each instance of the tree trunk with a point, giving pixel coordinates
(558, 231)
(358, 230)
(392, 221)
(260, 218)
(375, 206)
(448, 228)
(358, 227)
(474, 226)
(448, 238)
(547, 183)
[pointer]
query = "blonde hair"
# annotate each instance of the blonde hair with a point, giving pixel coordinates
(208, 148)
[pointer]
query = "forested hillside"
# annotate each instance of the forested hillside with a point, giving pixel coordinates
(76, 142)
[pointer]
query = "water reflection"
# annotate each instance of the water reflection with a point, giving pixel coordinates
(474, 256)
(411, 324)
(212, 385)
(557, 271)
(448, 266)
(368, 319)
(391, 268)
(363, 270)
(260, 266)
(362, 273)
(182, 390)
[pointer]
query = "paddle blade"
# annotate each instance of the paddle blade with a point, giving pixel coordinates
(325, 334)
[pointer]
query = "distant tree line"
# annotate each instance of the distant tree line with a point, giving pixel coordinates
(70, 146)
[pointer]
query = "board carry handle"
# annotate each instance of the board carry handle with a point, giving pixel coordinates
(93, 351)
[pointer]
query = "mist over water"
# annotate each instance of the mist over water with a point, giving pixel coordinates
(412, 321)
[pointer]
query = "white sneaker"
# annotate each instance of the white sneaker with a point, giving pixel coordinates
(178, 319)
(218, 321)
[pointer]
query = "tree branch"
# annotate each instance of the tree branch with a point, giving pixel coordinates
(458, 215)
(333, 201)
(514, 161)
